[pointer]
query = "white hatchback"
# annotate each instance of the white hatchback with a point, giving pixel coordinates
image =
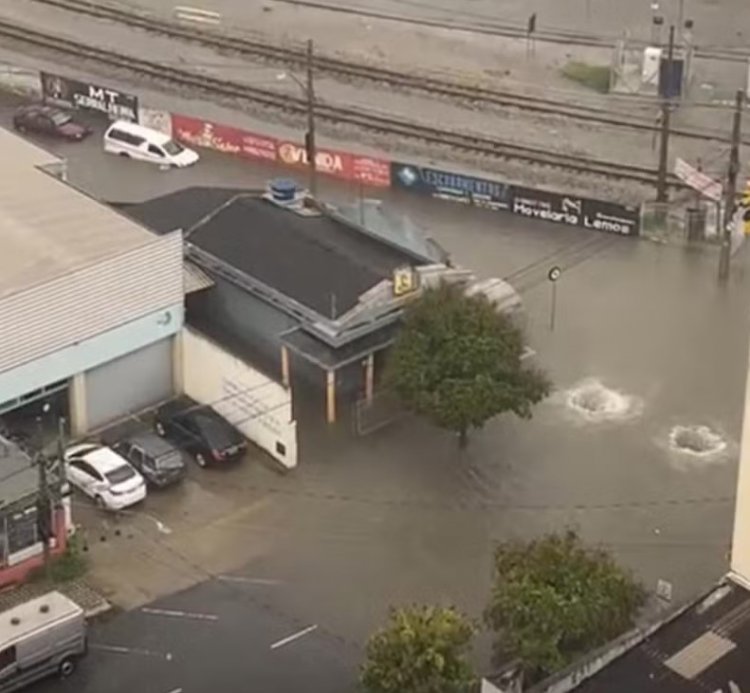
(103, 475)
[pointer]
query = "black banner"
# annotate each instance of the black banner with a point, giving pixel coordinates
(451, 186)
(74, 94)
(571, 210)
(574, 210)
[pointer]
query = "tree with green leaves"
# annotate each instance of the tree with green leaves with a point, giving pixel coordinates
(458, 362)
(422, 649)
(554, 599)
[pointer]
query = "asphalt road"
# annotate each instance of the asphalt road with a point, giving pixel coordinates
(217, 636)
(403, 516)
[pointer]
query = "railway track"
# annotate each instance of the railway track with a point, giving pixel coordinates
(254, 48)
(518, 30)
(374, 122)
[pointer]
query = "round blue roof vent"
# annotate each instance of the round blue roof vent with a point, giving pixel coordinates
(283, 189)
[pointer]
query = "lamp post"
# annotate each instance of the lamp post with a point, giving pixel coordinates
(308, 89)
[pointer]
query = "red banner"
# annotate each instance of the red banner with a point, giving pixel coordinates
(222, 138)
(351, 167)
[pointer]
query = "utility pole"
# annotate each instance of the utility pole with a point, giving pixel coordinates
(310, 136)
(44, 511)
(730, 193)
(662, 193)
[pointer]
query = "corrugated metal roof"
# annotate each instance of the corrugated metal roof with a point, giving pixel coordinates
(195, 278)
(48, 228)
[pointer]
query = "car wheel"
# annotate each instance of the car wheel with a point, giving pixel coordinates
(67, 667)
(160, 428)
(100, 502)
(200, 459)
(125, 154)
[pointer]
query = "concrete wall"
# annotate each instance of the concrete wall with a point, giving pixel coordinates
(258, 406)
(740, 563)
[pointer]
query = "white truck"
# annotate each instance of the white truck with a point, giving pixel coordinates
(39, 638)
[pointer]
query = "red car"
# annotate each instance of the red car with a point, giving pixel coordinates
(48, 120)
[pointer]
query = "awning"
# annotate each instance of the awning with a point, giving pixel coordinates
(195, 278)
(330, 358)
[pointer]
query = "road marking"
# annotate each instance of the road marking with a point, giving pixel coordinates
(119, 649)
(248, 580)
(293, 637)
(180, 614)
(196, 14)
(176, 690)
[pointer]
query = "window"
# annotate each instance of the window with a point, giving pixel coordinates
(60, 118)
(22, 530)
(173, 148)
(153, 149)
(117, 476)
(7, 657)
(281, 448)
(126, 137)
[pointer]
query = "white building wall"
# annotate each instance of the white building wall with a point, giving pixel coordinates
(740, 563)
(256, 405)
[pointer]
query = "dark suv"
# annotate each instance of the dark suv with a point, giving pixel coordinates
(160, 462)
(201, 431)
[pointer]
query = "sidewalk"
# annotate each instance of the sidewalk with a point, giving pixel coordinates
(79, 591)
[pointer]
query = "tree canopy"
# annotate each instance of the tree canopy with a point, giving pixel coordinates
(554, 599)
(458, 361)
(422, 649)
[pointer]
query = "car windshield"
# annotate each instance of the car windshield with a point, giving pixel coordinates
(120, 474)
(171, 460)
(60, 118)
(173, 148)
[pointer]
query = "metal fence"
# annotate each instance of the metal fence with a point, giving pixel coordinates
(382, 410)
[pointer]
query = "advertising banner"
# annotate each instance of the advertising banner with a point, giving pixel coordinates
(574, 210)
(455, 187)
(370, 171)
(352, 167)
(571, 210)
(222, 138)
(74, 94)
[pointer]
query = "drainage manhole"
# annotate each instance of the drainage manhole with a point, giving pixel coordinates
(696, 440)
(595, 402)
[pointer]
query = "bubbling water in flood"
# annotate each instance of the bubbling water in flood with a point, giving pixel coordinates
(700, 441)
(595, 402)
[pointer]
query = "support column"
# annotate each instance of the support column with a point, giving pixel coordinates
(284, 366)
(331, 397)
(77, 405)
(369, 378)
(178, 364)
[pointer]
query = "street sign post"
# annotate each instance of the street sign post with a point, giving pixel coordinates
(553, 275)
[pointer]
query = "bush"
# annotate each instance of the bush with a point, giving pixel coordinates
(594, 77)
(68, 566)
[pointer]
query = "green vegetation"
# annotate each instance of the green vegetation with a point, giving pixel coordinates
(458, 362)
(422, 649)
(596, 77)
(554, 599)
(68, 566)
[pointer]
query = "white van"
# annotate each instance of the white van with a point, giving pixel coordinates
(137, 142)
(39, 638)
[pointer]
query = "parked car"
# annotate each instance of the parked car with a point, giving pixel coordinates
(49, 120)
(40, 638)
(160, 462)
(137, 142)
(105, 476)
(208, 437)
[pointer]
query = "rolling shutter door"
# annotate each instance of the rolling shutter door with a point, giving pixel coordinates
(129, 384)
